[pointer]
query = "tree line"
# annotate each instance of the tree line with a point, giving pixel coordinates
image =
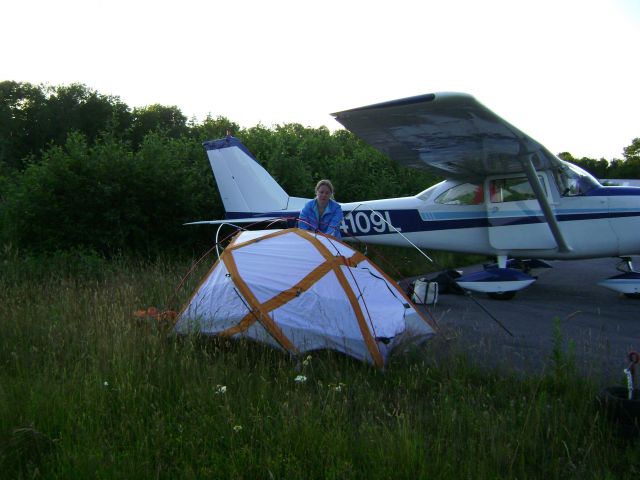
(627, 168)
(82, 170)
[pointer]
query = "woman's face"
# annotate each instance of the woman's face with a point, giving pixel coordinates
(323, 194)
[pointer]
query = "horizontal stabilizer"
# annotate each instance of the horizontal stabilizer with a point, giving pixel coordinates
(238, 220)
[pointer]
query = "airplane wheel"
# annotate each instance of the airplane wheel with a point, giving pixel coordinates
(502, 295)
(632, 295)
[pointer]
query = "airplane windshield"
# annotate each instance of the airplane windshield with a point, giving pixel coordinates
(574, 181)
(463, 194)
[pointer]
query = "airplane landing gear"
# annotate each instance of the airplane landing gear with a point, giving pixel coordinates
(628, 262)
(502, 295)
(627, 283)
(499, 283)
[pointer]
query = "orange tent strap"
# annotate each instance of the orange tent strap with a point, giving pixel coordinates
(282, 298)
(263, 315)
(303, 285)
(242, 326)
(235, 246)
(369, 341)
(356, 258)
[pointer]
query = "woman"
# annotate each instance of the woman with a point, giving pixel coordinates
(322, 214)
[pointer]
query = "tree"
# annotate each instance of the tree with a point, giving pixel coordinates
(632, 152)
(20, 134)
(109, 199)
(77, 108)
(628, 168)
(34, 117)
(157, 118)
(212, 128)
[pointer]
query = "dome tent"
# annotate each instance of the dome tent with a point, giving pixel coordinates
(301, 291)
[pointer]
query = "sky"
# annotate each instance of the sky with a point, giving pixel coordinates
(565, 72)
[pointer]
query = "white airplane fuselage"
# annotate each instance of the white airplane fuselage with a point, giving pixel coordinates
(606, 224)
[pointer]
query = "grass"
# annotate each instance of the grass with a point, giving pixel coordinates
(86, 391)
(400, 262)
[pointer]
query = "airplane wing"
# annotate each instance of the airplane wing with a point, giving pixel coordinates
(238, 220)
(451, 133)
(455, 135)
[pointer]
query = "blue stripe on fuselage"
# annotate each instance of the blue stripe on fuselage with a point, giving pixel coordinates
(409, 220)
(614, 191)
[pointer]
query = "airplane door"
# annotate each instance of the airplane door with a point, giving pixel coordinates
(626, 227)
(516, 221)
(586, 225)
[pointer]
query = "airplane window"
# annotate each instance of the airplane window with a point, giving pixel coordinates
(512, 189)
(574, 181)
(463, 194)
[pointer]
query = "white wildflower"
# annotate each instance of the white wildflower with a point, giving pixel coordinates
(221, 389)
(300, 379)
(237, 428)
(106, 384)
(307, 360)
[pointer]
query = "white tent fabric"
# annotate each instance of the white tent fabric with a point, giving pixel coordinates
(301, 291)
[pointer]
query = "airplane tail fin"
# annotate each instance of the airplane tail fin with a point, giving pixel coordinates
(245, 186)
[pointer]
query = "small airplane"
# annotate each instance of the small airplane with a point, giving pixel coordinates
(505, 195)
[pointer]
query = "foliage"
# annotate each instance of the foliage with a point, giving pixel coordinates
(107, 198)
(629, 168)
(632, 152)
(36, 116)
(168, 120)
(597, 168)
(298, 157)
(211, 128)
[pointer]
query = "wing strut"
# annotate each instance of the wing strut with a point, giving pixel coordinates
(544, 204)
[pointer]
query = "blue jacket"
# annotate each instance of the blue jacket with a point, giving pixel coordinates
(329, 223)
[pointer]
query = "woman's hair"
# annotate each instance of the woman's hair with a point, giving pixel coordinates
(326, 183)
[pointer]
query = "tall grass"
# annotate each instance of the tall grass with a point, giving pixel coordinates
(403, 262)
(87, 391)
